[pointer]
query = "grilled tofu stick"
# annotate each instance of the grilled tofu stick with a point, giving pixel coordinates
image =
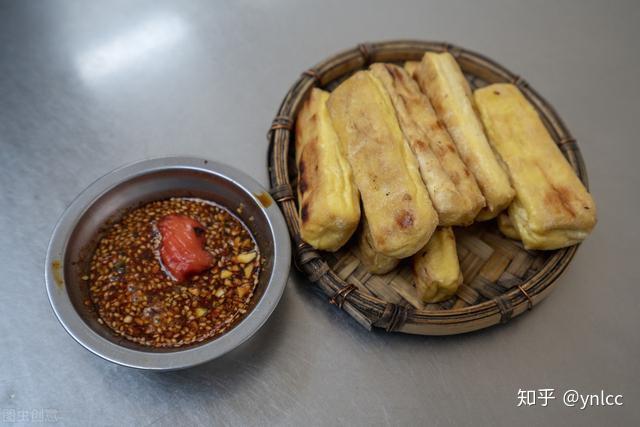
(445, 149)
(395, 200)
(436, 269)
(454, 193)
(327, 195)
(440, 77)
(372, 260)
(552, 208)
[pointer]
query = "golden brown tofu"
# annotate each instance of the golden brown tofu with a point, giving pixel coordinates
(394, 198)
(552, 208)
(456, 202)
(329, 205)
(436, 269)
(372, 260)
(506, 227)
(411, 67)
(440, 77)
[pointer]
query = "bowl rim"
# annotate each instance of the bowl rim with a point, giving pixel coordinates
(180, 358)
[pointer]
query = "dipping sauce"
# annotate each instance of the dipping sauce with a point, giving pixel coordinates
(137, 297)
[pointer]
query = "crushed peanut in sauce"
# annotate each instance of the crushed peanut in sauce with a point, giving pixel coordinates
(136, 298)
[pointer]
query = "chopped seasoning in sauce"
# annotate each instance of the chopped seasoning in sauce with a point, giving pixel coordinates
(137, 297)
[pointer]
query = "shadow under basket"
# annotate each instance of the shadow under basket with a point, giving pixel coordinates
(501, 279)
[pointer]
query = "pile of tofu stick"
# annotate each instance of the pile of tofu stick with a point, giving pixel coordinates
(395, 157)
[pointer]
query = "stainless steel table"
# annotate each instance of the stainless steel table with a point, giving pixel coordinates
(86, 87)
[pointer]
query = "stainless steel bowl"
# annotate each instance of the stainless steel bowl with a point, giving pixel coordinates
(77, 233)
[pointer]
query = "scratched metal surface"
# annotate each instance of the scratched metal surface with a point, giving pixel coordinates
(86, 87)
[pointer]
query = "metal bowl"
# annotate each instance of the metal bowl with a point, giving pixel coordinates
(106, 200)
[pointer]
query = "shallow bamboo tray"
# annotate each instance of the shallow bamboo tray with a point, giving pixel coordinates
(501, 279)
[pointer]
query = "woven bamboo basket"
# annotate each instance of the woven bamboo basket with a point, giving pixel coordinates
(501, 279)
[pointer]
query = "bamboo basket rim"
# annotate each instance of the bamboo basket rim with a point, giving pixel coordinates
(371, 311)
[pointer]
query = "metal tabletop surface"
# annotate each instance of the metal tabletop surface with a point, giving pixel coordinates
(86, 87)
